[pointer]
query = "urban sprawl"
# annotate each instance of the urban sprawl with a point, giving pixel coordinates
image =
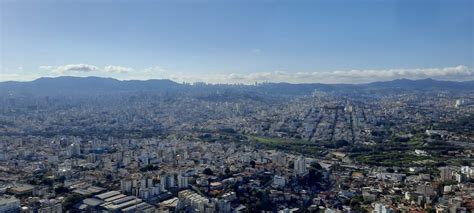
(230, 150)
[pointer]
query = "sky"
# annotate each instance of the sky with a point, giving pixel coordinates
(238, 41)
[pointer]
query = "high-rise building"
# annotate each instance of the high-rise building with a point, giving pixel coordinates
(74, 150)
(182, 181)
(279, 158)
(300, 165)
(126, 186)
(166, 181)
(445, 174)
(224, 206)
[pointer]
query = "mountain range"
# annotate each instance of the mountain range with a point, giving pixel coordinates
(68, 85)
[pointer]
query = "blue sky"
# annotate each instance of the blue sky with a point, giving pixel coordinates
(238, 41)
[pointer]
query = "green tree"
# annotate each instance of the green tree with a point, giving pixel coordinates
(208, 171)
(252, 163)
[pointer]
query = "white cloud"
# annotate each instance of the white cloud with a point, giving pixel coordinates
(117, 69)
(458, 73)
(337, 76)
(360, 76)
(235, 76)
(155, 72)
(84, 68)
(75, 68)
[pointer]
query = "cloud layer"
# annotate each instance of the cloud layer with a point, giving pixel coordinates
(356, 76)
(71, 68)
(117, 69)
(456, 73)
(84, 68)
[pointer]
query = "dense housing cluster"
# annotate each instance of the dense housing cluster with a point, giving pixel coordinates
(231, 149)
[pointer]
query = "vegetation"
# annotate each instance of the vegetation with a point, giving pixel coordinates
(71, 200)
(61, 190)
(390, 159)
(289, 145)
(462, 125)
(400, 152)
(208, 171)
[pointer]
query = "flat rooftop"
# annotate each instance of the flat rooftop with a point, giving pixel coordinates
(106, 195)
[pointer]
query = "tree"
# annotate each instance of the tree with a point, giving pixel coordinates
(109, 177)
(47, 181)
(61, 190)
(227, 170)
(291, 164)
(465, 163)
(208, 171)
(71, 200)
(314, 176)
(252, 163)
(341, 143)
(61, 179)
(316, 165)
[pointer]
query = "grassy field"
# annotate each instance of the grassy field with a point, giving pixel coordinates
(393, 158)
(290, 145)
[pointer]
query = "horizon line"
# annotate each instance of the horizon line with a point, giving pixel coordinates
(213, 83)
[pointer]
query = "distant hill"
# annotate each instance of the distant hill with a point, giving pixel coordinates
(423, 84)
(399, 84)
(97, 85)
(83, 85)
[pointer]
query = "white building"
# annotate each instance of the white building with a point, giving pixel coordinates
(381, 208)
(467, 170)
(300, 166)
(199, 203)
(279, 181)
